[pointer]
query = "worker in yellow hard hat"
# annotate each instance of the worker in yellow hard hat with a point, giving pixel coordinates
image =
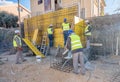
(17, 44)
(66, 28)
(87, 33)
(50, 35)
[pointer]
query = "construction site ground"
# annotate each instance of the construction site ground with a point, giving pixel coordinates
(106, 70)
(106, 31)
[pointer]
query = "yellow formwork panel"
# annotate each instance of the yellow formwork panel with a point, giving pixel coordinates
(25, 28)
(58, 37)
(56, 18)
(33, 48)
(35, 36)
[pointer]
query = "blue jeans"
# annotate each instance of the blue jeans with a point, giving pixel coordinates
(65, 36)
(50, 36)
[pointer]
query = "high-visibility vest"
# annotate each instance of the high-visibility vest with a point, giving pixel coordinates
(14, 41)
(50, 31)
(86, 30)
(75, 42)
(66, 26)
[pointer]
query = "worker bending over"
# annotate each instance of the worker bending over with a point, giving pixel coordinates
(66, 28)
(50, 35)
(18, 46)
(75, 46)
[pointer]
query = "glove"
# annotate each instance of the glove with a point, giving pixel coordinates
(19, 48)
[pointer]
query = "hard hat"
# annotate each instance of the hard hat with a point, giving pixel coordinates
(50, 25)
(70, 32)
(87, 21)
(17, 31)
(65, 19)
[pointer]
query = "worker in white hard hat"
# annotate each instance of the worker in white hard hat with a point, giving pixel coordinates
(50, 35)
(87, 33)
(17, 44)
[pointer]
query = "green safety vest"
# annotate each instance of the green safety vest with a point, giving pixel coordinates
(14, 41)
(75, 42)
(86, 30)
(50, 31)
(66, 26)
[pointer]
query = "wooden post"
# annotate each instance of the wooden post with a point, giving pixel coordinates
(19, 13)
(117, 47)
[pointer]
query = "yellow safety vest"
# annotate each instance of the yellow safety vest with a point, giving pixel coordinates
(86, 30)
(14, 41)
(50, 31)
(66, 26)
(75, 42)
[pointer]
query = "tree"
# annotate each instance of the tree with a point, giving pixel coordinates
(8, 20)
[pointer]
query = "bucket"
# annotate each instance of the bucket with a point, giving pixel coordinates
(38, 58)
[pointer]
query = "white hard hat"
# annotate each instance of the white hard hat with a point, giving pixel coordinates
(17, 31)
(87, 21)
(50, 25)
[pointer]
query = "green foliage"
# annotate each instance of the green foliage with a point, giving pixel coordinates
(8, 20)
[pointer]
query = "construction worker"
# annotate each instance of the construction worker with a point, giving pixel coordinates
(50, 35)
(65, 27)
(18, 46)
(87, 33)
(75, 46)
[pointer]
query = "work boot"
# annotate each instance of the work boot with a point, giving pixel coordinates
(75, 72)
(82, 72)
(24, 60)
(18, 63)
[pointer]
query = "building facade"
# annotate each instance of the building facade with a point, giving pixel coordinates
(12, 8)
(88, 8)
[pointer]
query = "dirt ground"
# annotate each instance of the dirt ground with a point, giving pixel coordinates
(106, 70)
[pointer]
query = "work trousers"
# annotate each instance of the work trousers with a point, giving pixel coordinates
(88, 42)
(78, 57)
(19, 56)
(50, 36)
(65, 36)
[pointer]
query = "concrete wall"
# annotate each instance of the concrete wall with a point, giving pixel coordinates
(13, 9)
(87, 8)
(90, 6)
(95, 9)
(35, 8)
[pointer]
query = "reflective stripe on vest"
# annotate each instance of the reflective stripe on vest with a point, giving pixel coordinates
(49, 31)
(14, 41)
(66, 26)
(75, 42)
(86, 30)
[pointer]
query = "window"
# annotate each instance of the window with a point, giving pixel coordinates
(47, 5)
(40, 2)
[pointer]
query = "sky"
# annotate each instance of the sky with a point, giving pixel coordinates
(25, 3)
(111, 5)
